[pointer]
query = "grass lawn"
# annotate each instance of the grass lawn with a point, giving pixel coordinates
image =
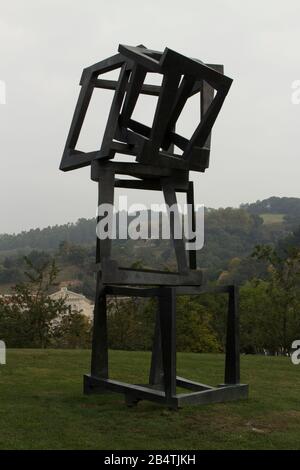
(42, 405)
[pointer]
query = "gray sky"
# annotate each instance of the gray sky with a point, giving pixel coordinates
(45, 44)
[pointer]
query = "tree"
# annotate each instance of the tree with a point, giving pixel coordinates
(30, 311)
(72, 330)
(130, 323)
(194, 329)
(284, 290)
(260, 328)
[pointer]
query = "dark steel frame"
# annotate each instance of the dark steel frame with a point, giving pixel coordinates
(162, 378)
(156, 167)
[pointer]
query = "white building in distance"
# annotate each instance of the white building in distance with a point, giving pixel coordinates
(75, 301)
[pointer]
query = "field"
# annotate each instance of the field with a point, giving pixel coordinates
(272, 218)
(42, 405)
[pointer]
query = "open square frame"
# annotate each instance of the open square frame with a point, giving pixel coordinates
(182, 78)
(162, 378)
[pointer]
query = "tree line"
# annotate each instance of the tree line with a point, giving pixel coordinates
(229, 234)
(269, 311)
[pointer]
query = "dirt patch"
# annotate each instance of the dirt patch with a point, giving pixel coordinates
(217, 422)
(271, 422)
(276, 421)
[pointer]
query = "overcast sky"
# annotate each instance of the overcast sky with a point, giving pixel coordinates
(45, 44)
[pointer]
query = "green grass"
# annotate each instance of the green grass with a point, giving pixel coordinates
(42, 405)
(272, 218)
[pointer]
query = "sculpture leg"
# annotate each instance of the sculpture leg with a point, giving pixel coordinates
(99, 361)
(167, 317)
(192, 224)
(156, 369)
(106, 188)
(174, 220)
(232, 361)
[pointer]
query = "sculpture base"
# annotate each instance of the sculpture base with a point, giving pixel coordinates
(163, 380)
(201, 394)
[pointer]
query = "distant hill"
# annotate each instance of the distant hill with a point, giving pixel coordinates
(272, 210)
(230, 237)
(282, 214)
(80, 233)
(287, 206)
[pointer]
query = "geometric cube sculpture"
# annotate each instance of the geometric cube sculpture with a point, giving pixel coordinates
(182, 78)
(156, 166)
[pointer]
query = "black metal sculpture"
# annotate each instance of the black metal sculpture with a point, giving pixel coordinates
(156, 167)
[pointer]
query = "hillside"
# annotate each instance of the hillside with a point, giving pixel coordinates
(289, 206)
(230, 236)
(277, 210)
(274, 210)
